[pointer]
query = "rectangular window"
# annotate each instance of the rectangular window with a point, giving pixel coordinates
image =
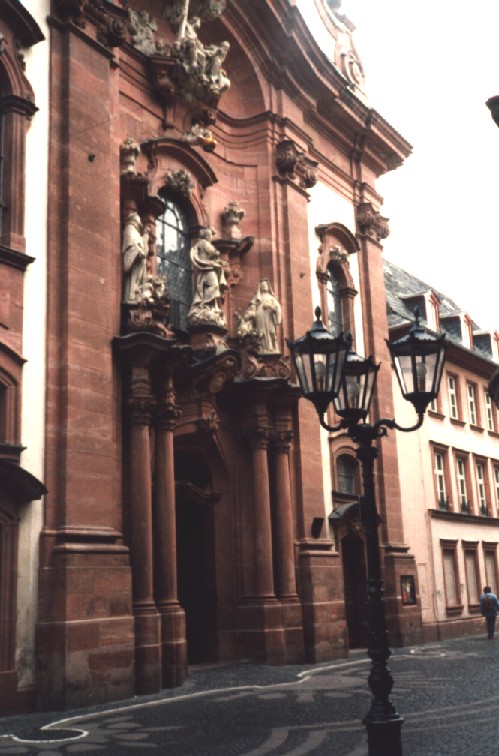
(452, 391)
(480, 487)
(496, 481)
(470, 563)
(440, 480)
(450, 577)
(462, 487)
(472, 409)
(489, 412)
(491, 569)
(433, 405)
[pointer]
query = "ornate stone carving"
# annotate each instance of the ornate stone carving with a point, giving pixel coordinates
(258, 437)
(109, 19)
(209, 282)
(281, 440)
(261, 318)
(129, 152)
(293, 164)
(167, 412)
(206, 10)
(143, 28)
(338, 255)
(200, 136)
(210, 376)
(179, 181)
(371, 222)
(306, 168)
(209, 425)
(265, 366)
(200, 75)
(232, 215)
(141, 409)
(286, 157)
(162, 74)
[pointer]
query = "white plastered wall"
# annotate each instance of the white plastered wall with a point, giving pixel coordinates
(34, 335)
(326, 207)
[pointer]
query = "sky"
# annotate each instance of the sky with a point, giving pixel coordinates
(430, 67)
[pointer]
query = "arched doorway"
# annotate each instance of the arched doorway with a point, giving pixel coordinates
(196, 579)
(354, 574)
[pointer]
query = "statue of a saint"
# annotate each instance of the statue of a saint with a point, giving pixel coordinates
(261, 318)
(209, 279)
(135, 250)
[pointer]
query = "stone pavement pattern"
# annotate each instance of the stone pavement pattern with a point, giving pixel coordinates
(447, 692)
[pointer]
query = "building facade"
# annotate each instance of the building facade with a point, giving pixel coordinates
(449, 469)
(199, 175)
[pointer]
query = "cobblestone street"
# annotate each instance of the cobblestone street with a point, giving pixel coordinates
(448, 694)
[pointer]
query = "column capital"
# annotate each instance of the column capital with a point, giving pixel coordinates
(371, 222)
(258, 437)
(167, 414)
(281, 440)
(141, 409)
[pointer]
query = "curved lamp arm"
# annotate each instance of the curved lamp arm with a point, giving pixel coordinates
(385, 423)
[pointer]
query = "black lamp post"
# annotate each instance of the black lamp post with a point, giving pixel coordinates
(328, 371)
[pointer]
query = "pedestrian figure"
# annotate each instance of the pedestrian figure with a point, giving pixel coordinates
(489, 607)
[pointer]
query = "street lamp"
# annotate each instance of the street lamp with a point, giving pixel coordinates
(418, 359)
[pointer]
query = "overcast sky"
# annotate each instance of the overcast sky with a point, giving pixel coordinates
(430, 67)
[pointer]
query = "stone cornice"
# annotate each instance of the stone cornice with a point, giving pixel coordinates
(297, 65)
(14, 259)
(21, 22)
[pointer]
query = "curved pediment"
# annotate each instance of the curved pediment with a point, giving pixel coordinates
(165, 149)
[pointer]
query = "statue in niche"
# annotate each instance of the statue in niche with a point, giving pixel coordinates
(261, 318)
(209, 281)
(135, 251)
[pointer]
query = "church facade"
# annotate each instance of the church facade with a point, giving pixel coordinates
(166, 498)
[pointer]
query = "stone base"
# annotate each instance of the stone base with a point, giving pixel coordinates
(261, 632)
(173, 645)
(147, 651)
(293, 631)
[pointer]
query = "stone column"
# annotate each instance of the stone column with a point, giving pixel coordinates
(285, 567)
(283, 518)
(264, 576)
(261, 614)
(173, 637)
(147, 645)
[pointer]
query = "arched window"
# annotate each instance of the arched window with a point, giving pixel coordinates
(346, 467)
(335, 311)
(173, 245)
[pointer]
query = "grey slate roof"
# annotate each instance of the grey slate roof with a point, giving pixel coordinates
(402, 292)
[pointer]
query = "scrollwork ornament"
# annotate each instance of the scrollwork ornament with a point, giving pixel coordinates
(371, 222)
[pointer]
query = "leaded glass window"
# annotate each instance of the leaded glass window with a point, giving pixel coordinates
(173, 256)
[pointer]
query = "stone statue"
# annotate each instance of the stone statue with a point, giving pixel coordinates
(215, 74)
(261, 318)
(135, 250)
(191, 49)
(209, 281)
